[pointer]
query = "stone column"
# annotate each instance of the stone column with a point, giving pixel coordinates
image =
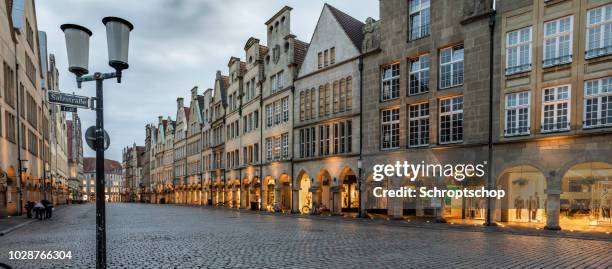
(395, 205)
(553, 201)
(295, 203)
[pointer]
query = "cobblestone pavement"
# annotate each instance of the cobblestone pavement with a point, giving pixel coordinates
(167, 236)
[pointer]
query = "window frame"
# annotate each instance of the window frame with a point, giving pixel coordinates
(556, 60)
(517, 107)
(391, 79)
(422, 132)
(519, 68)
(452, 112)
(555, 111)
(451, 63)
(391, 122)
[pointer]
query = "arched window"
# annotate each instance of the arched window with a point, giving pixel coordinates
(349, 93)
(312, 103)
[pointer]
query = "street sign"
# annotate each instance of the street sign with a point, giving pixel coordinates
(90, 138)
(68, 99)
(68, 109)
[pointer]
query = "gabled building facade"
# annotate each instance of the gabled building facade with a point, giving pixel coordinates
(326, 122)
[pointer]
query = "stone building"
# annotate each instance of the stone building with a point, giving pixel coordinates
(426, 99)
(326, 109)
(180, 149)
(24, 145)
(58, 183)
(281, 64)
(218, 107)
(148, 163)
(519, 87)
(114, 182)
(132, 160)
(233, 115)
(75, 156)
(251, 109)
(161, 174)
(552, 118)
(194, 178)
(206, 151)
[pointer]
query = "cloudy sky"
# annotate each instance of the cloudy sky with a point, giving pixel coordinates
(175, 45)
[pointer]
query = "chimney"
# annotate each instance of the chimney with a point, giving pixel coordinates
(160, 119)
(179, 102)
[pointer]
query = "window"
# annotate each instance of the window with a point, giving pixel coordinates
(599, 32)
(451, 67)
(285, 103)
(302, 106)
(321, 101)
(321, 142)
(336, 96)
(306, 104)
(273, 84)
(419, 19)
(558, 42)
(342, 101)
(277, 112)
(327, 99)
(517, 113)
(332, 55)
(390, 128)
(312, 103)
(9, 86)
(277, 148)
(349, 136)
(327, 139)
(325, 58)
(418, 125)
(349, 95)
(342, 137)
(269, 113)
(390, 82)
(269, 148)
(518, 51)
(280, 80)
(419, 75)
(285, 138)
(302, 142)
(451, 120)
(555, 109)
(598, 103)
(336, 138)
(320, 60)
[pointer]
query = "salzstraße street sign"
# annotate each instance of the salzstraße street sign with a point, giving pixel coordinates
(68, 99)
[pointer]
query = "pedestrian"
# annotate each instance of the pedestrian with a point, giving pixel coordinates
(29, 205)
(48, 208)
(39, 208)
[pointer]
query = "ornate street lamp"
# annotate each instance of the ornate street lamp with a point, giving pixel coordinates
(77, 45)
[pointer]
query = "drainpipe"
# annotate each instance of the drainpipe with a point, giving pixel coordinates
(359, 162)
(489, 221)
(292, 104)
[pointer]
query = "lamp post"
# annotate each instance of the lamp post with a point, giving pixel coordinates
(25, 164)
(77, 44)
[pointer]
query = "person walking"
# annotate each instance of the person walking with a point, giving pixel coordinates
(29, 205)
(39, 208)
(48, 208)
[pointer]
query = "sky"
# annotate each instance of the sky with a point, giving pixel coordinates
(175, 45)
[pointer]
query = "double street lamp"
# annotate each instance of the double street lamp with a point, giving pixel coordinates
(77, 44)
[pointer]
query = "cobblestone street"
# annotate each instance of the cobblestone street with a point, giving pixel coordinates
(168, 236)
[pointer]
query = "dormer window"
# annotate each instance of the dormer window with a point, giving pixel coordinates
(250, 59)
(283, 20)
(271, 28)
(286, 46)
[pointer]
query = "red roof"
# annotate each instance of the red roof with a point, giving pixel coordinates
(299, 51)
(110, 166)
